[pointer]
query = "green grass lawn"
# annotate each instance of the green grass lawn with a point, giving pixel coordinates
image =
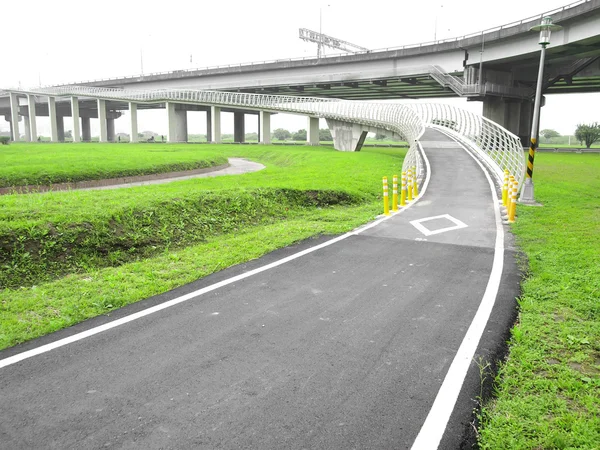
(549, 389)
(41, 163)
(573, 145)
(68, 256)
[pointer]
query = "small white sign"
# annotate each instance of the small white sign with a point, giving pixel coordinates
(418, 224)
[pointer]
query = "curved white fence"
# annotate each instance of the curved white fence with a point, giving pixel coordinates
(496, 146)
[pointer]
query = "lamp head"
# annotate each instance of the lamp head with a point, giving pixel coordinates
(545, 29)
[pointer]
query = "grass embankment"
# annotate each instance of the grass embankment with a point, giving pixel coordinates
(68, 256)
(43, 164)
(549, 389)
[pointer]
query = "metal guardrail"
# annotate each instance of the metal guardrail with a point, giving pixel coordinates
(496, 146)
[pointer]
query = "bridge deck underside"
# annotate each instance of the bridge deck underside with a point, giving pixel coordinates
(419, 86)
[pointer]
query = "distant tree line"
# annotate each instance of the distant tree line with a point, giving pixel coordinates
(585, 134)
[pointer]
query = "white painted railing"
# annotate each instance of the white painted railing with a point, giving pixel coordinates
(496, 146)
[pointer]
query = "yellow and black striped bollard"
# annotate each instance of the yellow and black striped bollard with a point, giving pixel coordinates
(512, 208)
(395, 194)
(415, 183)
(386, 203)
(505, 189)
(409, 189)
(403, 192)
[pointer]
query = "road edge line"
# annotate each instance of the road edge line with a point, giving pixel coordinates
(434, 427)
(146, 312)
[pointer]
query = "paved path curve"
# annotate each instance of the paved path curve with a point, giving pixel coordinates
(344, 345)
(235, 166)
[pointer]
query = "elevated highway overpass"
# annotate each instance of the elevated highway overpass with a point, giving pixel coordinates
(496, 66)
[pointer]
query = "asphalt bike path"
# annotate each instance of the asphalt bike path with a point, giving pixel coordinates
(355, 342)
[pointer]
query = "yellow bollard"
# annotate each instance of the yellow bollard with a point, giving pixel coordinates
(395, 194)
(409, 189)
(505, 189)
(416, 184)
(386, 203)
(512, 207)
(403, 193)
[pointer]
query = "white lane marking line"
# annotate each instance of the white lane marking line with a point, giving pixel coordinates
(146, 312)
(433, 428)
(418, 224)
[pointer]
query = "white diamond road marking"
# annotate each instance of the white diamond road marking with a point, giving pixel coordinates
(418, 224)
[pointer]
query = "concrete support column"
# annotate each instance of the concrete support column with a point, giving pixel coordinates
(347, 137)
(512, 114)
(102, 120)
(312, 134)
(60, 128)
(53, 119)
(14, 117)
(177, 118)
(75, 114)
(208, 126)
(32, 120)
(264, 131)
(11, 128)
(27, 129)
(86, 129)
(110, 129)
(239, 127)
(133, 123)
(215, 126)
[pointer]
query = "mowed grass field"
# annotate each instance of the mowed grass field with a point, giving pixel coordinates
(47, 163)
(548, 392)
(68, 256)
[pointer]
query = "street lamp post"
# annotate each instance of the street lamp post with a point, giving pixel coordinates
(545, 29)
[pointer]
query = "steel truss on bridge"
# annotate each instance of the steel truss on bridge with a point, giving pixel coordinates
(498, 148)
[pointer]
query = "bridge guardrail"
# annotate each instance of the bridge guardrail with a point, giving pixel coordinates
(496, 146)
(385, 49)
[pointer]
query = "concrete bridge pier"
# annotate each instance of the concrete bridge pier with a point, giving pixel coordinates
(133, 124)
(215, 124)
(347, 137)
(312, 132)
(32, 119)
(75, 115)
(102, 120)
(10, 125)
(27, 129)
(239, 127)
(110, 129)
(177, 123)
(513, 114)
(60, 128)
(53, 119)
(264, 127)
(14, 117)
(208, 125)
(86, 129)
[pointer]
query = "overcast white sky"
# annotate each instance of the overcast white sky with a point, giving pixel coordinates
(61, 41)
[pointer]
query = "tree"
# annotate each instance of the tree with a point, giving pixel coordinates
(325, 135)
(281, 134)
(380, 137)
(549, 134)
(69, 134)
(588, 134)
(299, 135)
